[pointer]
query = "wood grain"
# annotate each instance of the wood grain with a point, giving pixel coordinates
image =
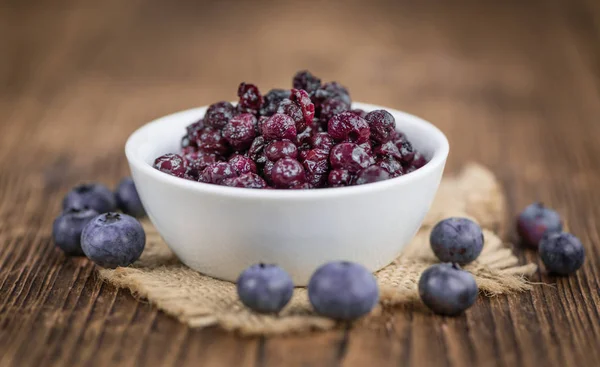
(514, 84)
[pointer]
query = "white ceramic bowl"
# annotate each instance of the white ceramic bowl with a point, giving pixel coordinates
(220, 230)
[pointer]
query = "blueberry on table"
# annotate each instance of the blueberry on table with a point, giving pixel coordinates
(265, 288)
(562, 253)
(458, 240)
(343, 290)
(534, 221)
(112, 239)
(128, 199)
(67, 228)
(447, 290)
(94, 196)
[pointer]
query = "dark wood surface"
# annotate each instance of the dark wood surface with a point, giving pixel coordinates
(514, 84)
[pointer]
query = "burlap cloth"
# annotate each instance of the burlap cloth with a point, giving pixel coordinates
(200, 301)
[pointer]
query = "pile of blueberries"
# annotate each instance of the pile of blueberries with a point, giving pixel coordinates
(304, 138)
(90, 224)
(541, 228)
(448, 290)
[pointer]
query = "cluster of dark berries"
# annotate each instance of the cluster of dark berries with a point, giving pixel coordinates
(445, 288)
(304, 138)
(339, 290)
(448, 290)
(89, 224)
(541, 228)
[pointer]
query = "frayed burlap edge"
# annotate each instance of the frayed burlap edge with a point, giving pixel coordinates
(201, 301)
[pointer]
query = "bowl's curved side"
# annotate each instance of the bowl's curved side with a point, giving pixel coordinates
(220, 232)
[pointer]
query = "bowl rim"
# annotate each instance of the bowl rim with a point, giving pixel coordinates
(438, 159)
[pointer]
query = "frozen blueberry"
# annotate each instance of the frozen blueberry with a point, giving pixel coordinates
(112, 239)
(339, 178)
(447, 290)
(332, 107)
(272, 100)
(211, 140)
(265, 288)
(350, 156)
(196, 162)
(93, 195)
(246, 180)
(534, 221)
(128, 199)
(321, 141)
(331, 90)
(371, 174)
(240, 131)
(316, 167)
(279, 127)
(302, 140)
(250, 98)
(256, 150)
(457, 240)
(382, 123)
(241, 164)
(267, 170)
(305, 80)
(561, 252)
(301, 98)
(218, 114)
(390, 164)
(68, 226)
(406, 151)
(367, 147)
(293, 110)
(215, 173)
(348, 127)
(343, 290)
(287, 172)
(278, 149)
(388, 149)
(189, 139)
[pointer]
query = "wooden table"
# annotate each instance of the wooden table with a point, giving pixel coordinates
(514, 84)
